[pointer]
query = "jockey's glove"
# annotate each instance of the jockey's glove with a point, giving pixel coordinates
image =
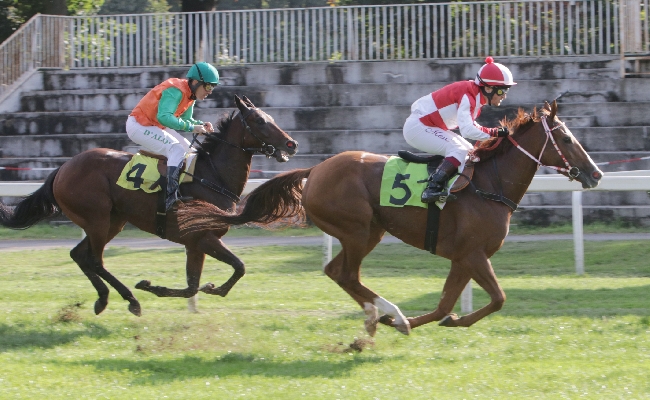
(502, 132)
(199, 129)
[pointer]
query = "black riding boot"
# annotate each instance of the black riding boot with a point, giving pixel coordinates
(173, 174)
(436, 189)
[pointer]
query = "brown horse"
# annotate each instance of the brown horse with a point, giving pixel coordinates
(85, 190)
(342, 194)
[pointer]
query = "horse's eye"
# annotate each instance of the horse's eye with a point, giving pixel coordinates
(260, 121)
(567, 139)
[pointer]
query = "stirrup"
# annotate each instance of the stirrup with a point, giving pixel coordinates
(443, 197)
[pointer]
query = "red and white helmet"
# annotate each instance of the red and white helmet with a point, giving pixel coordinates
(494, 74)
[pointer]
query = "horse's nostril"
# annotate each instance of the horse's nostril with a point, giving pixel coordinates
(292, 144)
(597, 175)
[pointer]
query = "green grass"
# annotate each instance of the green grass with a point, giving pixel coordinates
(285, 329)
(70, 231)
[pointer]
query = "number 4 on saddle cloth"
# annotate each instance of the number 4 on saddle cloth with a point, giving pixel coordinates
(146, 171)
(405, 178)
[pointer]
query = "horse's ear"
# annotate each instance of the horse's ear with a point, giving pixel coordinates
(547, 106)
(553, 109)
(247, 101)
(240, 104)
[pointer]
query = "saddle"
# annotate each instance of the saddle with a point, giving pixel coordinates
(187, 165)
(161, 213)
(433, 162)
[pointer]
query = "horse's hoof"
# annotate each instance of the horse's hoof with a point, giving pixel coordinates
(135, 309)
(143, 285)
(207, 288)
(386, 320)
(371, 326)
(448, 321)
(403, 328)
(100, 305)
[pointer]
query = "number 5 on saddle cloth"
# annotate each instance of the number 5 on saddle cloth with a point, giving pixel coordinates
(405, 178)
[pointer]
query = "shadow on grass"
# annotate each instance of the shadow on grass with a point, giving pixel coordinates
(553, 302)
(233, 364)
(47, 336)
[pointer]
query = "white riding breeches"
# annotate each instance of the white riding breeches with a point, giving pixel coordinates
(166, 142)
(437, 141)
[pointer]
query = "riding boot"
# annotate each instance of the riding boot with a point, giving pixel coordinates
(173, 174)
(436, 189)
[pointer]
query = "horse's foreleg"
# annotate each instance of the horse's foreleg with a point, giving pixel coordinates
(479, 269)
(454, 285)
(483, 274)
(193, 268)
(214, 247)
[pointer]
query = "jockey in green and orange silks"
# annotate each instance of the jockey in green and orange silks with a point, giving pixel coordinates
(166, 109)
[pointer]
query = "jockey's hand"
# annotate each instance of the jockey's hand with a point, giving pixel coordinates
(502, 132)
(199, 129)
(208, 126)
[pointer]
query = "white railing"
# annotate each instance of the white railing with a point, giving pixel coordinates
(388, 32)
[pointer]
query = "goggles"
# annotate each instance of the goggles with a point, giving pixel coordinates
(501, 90)
(207, 86)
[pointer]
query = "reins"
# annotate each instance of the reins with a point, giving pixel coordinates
(573, 172)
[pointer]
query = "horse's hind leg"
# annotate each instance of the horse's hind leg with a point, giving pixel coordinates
(83, 256)
(89, 256)
(345, 268)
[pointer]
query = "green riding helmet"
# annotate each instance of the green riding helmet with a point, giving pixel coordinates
(204, 72)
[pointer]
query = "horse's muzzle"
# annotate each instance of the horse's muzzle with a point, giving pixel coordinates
(590, 181)
(292, 147)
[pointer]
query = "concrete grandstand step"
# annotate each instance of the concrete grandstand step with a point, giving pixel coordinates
(60, 145)
(319, 118)
(353, 72)
(335, 95)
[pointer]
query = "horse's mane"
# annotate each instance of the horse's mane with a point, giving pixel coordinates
(489, 148)
(214, 139)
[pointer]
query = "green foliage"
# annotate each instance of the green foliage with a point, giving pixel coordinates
(134, 7)
(84, 7)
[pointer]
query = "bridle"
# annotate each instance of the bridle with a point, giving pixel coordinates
(572, 172)
(267, 149)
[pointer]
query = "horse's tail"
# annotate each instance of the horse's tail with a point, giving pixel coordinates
(34, 208)
(277, 198)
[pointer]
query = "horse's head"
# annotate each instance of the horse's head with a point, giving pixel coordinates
(557, 148)
(262, 132)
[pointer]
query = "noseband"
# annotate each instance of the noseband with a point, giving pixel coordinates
(573, 172)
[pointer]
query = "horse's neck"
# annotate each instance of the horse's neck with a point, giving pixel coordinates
(228, 168)
(233, 166)
(512, 175)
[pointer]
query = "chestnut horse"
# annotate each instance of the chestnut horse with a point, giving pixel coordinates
(85, 190)
(341, 197)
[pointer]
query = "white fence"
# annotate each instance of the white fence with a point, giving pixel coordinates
(389, 32)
